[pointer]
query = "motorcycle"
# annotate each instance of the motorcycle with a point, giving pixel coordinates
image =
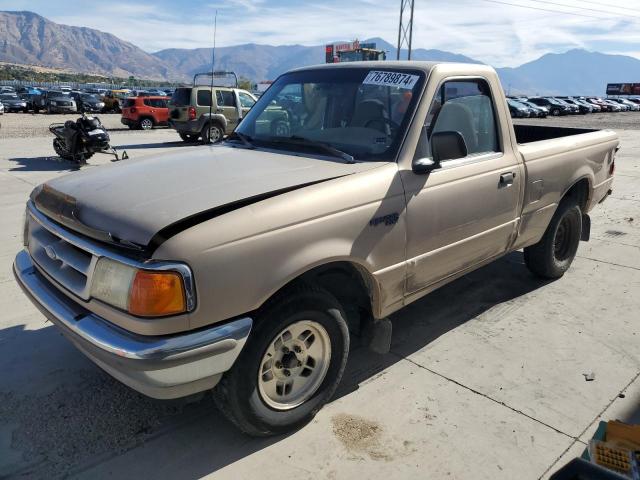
(78, 141)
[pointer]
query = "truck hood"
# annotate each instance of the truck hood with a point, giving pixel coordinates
(133, 200)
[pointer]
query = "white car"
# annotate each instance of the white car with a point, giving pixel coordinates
(1, 108)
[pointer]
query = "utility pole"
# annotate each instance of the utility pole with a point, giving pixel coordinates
(405, 29)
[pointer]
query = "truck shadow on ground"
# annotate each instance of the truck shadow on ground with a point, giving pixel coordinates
(81, 422)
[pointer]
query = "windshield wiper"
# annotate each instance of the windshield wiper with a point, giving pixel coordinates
(306, 142)
(246, 139)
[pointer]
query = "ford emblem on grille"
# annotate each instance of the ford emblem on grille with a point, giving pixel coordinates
(51, 253)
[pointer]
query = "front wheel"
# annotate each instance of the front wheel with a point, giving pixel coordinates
(290, 366)
(552, 256)
(555, 112)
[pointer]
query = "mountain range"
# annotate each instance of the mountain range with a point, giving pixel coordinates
(28, 38)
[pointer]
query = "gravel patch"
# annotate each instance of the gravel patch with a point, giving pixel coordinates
(26, 125)
(601, 121)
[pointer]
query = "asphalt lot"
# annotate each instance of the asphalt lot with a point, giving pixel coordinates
(485, 379)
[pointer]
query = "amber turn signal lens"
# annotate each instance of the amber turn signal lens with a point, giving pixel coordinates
(156, 294)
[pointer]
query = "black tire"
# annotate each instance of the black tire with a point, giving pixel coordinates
(552, 256)
(187, 137)
(61, 150)
(238, 393)
(555, 112)
(213, 130)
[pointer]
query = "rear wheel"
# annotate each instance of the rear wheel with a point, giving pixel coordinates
(552, 256)
(146, 124)
(290, 366)
(212, 133)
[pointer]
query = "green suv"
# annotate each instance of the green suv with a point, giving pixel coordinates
(189, 110)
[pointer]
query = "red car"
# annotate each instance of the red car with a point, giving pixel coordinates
(145, 112)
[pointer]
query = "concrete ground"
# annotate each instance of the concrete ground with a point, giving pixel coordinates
(485, 379)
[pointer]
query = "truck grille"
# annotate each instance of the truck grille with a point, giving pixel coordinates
(67, 264)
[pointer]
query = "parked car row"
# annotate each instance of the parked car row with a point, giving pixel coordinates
(540, 107)
(64, 99)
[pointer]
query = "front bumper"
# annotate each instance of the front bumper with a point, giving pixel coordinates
(158, 366)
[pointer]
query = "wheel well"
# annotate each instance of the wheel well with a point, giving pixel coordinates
(218, 123)
(350, 285)
(580, 193)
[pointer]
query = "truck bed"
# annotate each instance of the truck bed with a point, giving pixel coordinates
(536, 133)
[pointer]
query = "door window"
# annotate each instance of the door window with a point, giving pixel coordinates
(225, 98)
(204, 98)
(463, 106)
(245, 100)
(158, 103)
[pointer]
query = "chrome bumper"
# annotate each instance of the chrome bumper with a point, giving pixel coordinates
(160, 367)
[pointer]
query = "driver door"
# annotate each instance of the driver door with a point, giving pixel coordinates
(464, 212)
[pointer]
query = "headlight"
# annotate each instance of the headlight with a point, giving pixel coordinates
(145, 293)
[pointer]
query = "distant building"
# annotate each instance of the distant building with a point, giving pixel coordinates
(353, 52)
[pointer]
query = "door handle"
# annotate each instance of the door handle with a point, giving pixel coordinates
(506, 179)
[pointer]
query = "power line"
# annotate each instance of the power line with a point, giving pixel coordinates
(575, 14)
(585, 8)
(612, 6)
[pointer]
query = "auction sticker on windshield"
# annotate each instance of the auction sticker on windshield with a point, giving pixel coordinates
(391, 79)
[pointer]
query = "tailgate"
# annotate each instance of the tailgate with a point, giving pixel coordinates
(179, 104)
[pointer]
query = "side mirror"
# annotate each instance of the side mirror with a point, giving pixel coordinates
(424, 165)
(444, 146)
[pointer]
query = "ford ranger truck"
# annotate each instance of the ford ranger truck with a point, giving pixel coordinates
(246, 264)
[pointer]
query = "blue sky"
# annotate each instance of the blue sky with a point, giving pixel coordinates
(488, 30)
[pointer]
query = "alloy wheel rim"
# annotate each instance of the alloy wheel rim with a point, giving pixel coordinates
(294, 365)
(146, 124)
(214, 134)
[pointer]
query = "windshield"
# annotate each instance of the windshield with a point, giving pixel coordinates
(361, 112)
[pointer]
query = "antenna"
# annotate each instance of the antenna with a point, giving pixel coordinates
(405, 29)
(213, 61)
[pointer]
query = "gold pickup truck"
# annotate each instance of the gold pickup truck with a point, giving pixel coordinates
(245, 265)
